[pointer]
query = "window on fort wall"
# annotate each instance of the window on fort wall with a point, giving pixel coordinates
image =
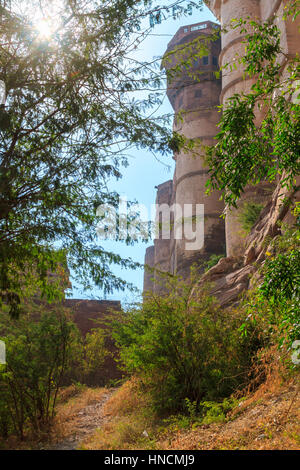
(205, 60)
(215, 60)
(198, 93)
(199, 26)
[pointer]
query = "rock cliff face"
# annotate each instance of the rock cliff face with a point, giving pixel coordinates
(232, 274)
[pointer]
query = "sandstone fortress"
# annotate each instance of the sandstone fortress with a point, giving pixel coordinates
(199, 98)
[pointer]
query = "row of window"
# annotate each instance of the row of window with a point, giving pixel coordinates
(205, 61)
(195, 28)
(199, 26)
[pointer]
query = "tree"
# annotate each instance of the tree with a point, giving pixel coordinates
(184, 347)
(75, 103)
(41, 347)
(94, 350)
(246, 153)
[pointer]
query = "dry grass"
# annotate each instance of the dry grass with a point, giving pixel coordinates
(71, 391)
(269, 373)
(269, 423)
(127, 400)
(72, 401)
(128, 416)
(266, 419)
(269, 418)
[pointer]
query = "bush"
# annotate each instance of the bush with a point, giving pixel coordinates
(249, 214)
(184, 349)
(281, 288)
(40, 348)
(216, 412)
(275, 303)
(212, 261)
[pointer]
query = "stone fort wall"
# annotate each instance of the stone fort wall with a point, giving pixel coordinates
(199, 99)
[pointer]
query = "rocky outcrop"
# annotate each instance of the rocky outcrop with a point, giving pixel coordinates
(267, 226)
(232, 276)
(227, 280)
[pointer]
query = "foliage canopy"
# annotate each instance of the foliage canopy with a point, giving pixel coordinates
(76, 100)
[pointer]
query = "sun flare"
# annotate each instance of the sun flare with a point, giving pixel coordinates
(44, 28)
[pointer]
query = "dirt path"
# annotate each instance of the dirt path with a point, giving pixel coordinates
(88, 419)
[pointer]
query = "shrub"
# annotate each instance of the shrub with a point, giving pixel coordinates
(95, 351)
(214, 412)
(39, 350)
(275, 302)
(249, 214)
(182, 348)
(212, 261)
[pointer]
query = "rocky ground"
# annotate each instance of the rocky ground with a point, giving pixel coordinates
(82, 422)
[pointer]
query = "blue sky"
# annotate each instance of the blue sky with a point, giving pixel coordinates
(145, 171)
